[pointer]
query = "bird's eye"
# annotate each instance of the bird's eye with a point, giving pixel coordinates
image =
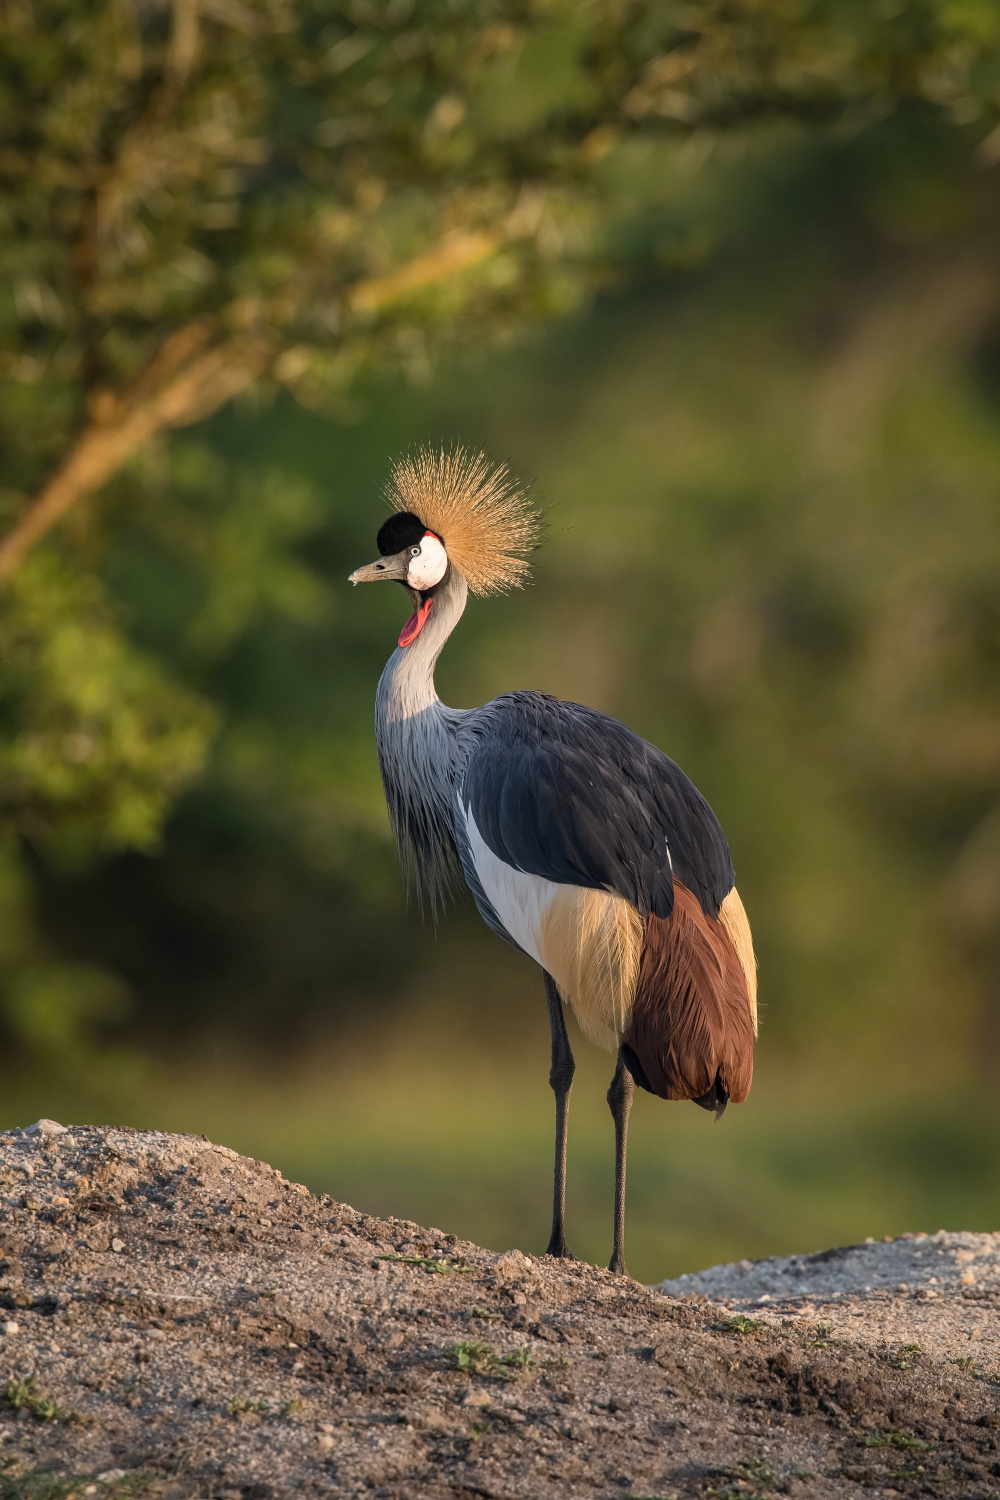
(414, 551)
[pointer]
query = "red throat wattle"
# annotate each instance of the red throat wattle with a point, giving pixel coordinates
(415, 624)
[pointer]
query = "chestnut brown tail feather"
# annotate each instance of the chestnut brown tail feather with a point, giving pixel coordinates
(691, 1031)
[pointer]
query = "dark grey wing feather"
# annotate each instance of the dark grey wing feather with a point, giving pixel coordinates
(564, 792)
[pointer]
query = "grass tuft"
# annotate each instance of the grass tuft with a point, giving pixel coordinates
(482, 1359)
(898, 1358)
(743, 1325)
(42, 1483)
(521, 1359)
(38, 1484)
(750, 1477)
(238, 1406)
(435, 1265)
(24, 1395)
(472, 1355)
(895, 1437)
(821, 1339)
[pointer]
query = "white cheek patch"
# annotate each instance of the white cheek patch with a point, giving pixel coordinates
(430, 564)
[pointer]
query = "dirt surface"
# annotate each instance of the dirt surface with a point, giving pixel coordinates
(181, 1321)
(936, 1290)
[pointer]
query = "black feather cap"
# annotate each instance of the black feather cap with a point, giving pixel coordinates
(404, 529)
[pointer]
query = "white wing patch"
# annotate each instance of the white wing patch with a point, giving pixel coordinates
(590, 941)
(520, 900)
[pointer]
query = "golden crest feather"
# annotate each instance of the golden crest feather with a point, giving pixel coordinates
(476, 507)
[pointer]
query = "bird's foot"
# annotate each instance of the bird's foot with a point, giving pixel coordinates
(558, 1248)
(617, 1266)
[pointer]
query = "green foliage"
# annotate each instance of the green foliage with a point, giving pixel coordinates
(52, 1008)
(748, 1476)
(743, 1325)
(482, 1359)
(100, 739)
(251, 168)
(521, 1359)
(472, 1355)
(894, 1437)
(240, 1406)
(23, 1395)
(245, 172)
(434, 1265)
(318, 194)
(97, 741)
(901, 1358)
(39, 1483)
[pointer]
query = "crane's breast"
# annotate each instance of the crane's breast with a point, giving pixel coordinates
(589, 940)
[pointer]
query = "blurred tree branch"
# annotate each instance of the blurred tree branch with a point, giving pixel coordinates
(268, 189)
(184, 383)
(190, 378)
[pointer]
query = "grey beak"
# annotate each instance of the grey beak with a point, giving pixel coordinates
(394, 568)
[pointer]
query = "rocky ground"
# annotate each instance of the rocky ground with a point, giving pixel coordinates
(180, 1321)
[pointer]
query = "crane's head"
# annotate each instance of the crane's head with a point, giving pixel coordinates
(455, 512)
(414, 556)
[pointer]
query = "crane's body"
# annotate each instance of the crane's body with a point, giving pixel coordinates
(583, 845)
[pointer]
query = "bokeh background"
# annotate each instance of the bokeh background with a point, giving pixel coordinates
(722, 283)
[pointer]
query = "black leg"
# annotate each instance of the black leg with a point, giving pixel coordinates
(620, 1102)
(561, 1082)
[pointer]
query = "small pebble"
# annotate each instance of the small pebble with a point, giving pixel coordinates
(118, 1246)
(10, 1328)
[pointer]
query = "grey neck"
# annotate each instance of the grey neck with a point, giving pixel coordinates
(406, 687)
(416, 738)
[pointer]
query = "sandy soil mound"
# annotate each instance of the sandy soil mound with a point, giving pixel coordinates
(180, 1321)
(936, 1290)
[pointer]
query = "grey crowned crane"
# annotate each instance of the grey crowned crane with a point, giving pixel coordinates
(582, 844)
